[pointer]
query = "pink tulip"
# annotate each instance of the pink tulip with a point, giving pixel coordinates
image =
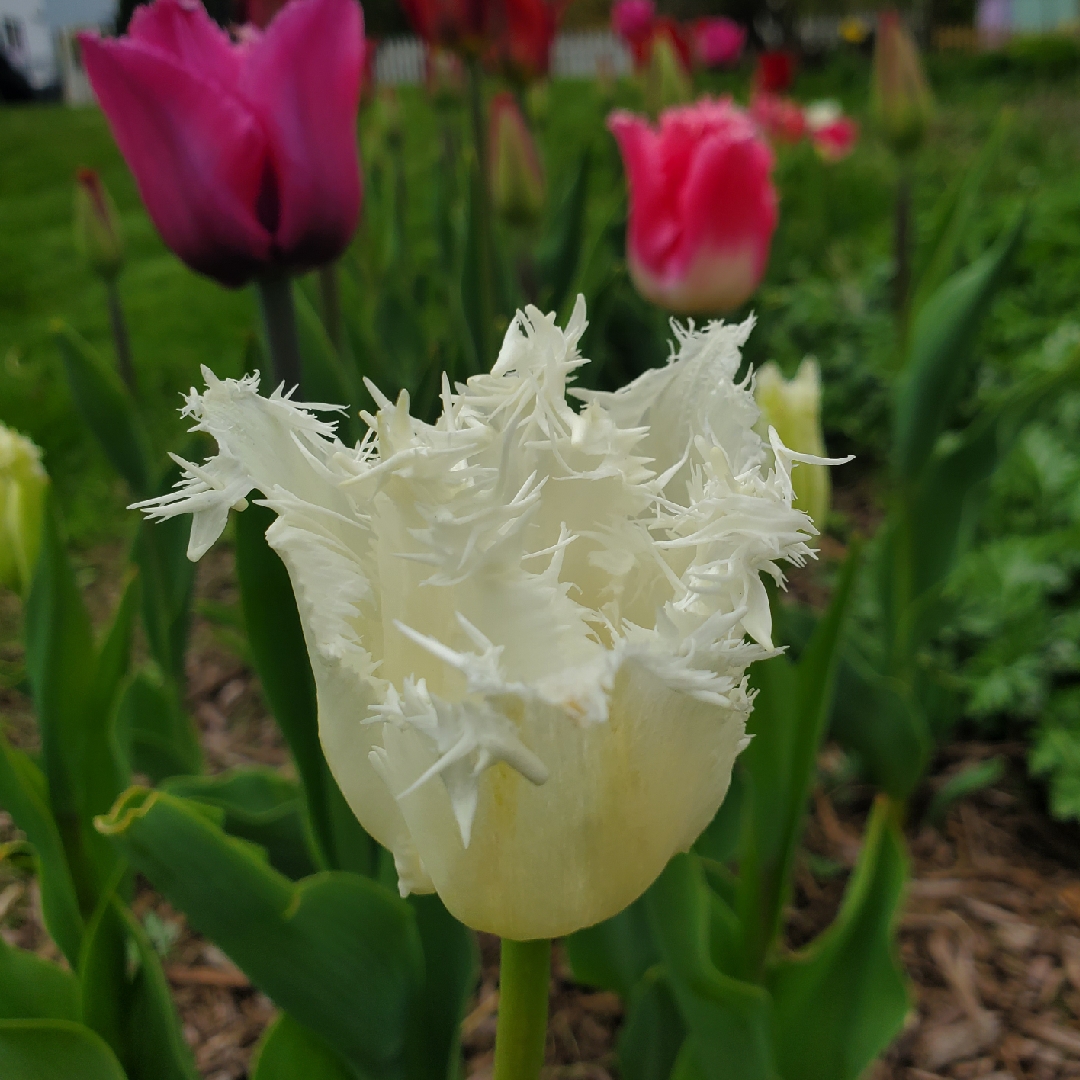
(702, 205)
(245, 154)
(632, 19)
(833, 134)
(718, 42)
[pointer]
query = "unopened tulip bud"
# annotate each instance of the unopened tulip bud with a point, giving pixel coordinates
(667, 81)
(23, 482)
(702, 205)
(518, 188)
(901, 100)
(793, 407)
(97, 225)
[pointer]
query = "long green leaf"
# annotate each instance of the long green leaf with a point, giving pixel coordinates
(558, 259)
(788, 723)
(939, 359)
(337, 951)
(614, 954)
(54, 1050)
(107, 409)
(126, 998)
(154, 730)
(325, 376)
(653, 1033)
(952, 218)
(23, 794)
(260, 806)
(451, 970)
(728, 1021)
(840, 1001)
(289, 1051)
(280, 654)
(31, 988)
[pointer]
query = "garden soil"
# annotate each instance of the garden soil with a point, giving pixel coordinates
(989, 935)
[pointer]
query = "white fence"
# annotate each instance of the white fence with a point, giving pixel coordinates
(575, 55)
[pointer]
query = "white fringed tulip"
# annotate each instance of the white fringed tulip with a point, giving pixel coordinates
(529, 626)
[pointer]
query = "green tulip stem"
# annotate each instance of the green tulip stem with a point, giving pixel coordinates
(524, 974)
(279, 319)
(121, 340)
(330, 295)
(481, 180)
(902, 243)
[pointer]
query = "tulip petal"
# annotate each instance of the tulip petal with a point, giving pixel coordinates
(197, 153)
(302, 79)
(184, 30)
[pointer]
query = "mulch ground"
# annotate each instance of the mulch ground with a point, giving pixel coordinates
(990, 934)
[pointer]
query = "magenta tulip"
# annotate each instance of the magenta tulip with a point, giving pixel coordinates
(702, 205)
(718, 42)
(245, 154)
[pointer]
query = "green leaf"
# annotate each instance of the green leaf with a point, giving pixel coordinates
(54, 1050)
(281, 661)
(337, 951)
(451, 970)
(788, 723)
(261, 807)
(32, 988)
(875, 717)
(325, 376)
(154, 730)
(168, 581)
(107, 409)
(60, 662)
(614, 954)
(939, 358)
(557, 261)
(840, 1001)
(951, 219)
(126, 998)
(289, 1051)
(23, 795)
(728, 1021)
(653, 1033)
(966, 782)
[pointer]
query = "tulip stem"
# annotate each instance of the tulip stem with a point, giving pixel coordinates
(524, 974)
(902, 244)
(279, 319)
(331, 303)
(121, 341)
(481, 206)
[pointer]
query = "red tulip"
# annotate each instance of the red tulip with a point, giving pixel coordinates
(718, 42)
(521, 34)
(514, 36)
(245, 154)
(775, 72)
(702, 205)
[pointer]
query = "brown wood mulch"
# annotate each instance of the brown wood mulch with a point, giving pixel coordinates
(990, 934)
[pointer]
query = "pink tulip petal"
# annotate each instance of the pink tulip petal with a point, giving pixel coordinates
(303, 82)
(729, 202)
(198, 155)
(184, 30)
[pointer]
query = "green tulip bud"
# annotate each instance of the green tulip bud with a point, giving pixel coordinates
(900, 95)
(97, 225)
(793, 407)
(23, 482)
(518, 187)
(667, 82)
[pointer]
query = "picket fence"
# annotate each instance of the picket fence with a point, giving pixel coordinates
(582, 54)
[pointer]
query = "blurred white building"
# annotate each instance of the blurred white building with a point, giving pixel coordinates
(26, 41)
